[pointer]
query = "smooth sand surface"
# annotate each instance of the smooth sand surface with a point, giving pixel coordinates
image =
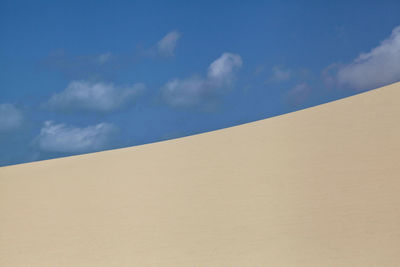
(317, 187)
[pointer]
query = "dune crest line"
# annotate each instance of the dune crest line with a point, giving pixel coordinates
(317, 187)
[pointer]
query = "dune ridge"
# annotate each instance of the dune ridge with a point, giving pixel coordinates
(316, 187)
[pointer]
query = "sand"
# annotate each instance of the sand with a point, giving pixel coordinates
(317, 187)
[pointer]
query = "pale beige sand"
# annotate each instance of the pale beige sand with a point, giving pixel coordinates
(318, 187)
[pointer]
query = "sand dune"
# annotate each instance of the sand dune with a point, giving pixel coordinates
(317, 187)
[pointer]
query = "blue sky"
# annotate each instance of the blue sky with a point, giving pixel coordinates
(85, 76)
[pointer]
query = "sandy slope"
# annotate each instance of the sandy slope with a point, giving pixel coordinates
(318, 187)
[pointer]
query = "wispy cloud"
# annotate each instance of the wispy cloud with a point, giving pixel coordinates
(87, 66)
(104, 58)
(195, 90)
(280, 74)
(69, 139)
(166, 46)
(298, 94)
(96, 97)
(376, 68)
(11, 117)
(107, 65)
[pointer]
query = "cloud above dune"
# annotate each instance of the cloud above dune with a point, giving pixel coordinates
(298, 94)
(166, 46)
(70, 139)
(378, 67)
(280, 74)
(221, 72)
(96, 97)
(194, 90)
(11, 117)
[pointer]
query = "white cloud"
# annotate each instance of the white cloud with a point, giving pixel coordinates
(193, 91)
(376, 68)
(69, 139)
(280, 74)
(11, 118)
(221, 71)
(98, 97)
(186, 92)
(166, 46)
